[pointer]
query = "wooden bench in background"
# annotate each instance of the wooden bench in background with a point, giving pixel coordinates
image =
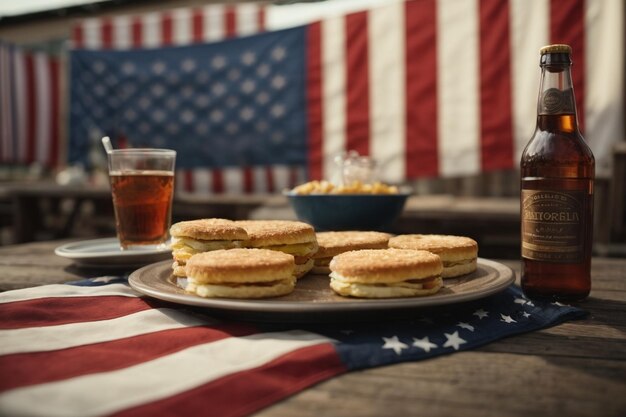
(44, 210)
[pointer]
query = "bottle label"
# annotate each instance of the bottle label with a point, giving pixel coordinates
(552, 225)
(555, 101)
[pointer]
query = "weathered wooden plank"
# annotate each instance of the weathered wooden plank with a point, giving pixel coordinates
(470, 384)
(562, 345)
(33, 264)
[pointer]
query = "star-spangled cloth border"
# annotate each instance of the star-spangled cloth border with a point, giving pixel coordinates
(438, 331)
(446, 330)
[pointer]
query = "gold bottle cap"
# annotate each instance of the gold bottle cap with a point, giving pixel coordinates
(558, 48)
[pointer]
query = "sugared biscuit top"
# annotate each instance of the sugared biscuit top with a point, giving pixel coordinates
(240, 265)
(386, 265)
(276, 232)
(436, 244)
(333, 243)
(209, 229)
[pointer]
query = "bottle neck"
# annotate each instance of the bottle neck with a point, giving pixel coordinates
(556, 97)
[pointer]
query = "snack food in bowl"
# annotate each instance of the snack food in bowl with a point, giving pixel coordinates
(356, 206)
(355, 187)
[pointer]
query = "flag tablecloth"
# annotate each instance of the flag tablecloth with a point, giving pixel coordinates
(99, 348)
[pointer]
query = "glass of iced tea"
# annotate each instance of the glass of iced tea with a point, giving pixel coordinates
(142, 185)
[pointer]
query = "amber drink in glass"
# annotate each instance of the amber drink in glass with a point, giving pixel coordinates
(142, 186)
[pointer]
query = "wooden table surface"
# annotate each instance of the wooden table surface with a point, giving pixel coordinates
(574, 369)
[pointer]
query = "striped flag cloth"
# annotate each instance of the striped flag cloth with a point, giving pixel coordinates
(97, 348)
(30, 102)
(429, 88)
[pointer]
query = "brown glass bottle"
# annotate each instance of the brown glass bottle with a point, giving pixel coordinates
(557, 174)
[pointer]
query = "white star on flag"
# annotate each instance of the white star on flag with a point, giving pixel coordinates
(526, 314)
(159, 67)
(128, 68)
(279, 53)
(395, 344)
(556, 303)
(507, 319)
(99, 67)
(466, 326)
(278, 82)
(520, 301)
(248, 86)
(248, 58)
(188, 65)
(453, 340)
(481, 313)
(424, 343)
(246, 113)
(277, 110)
(218, 89)
(218, 62)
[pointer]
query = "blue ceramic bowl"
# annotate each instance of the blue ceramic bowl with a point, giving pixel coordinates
(348, 211)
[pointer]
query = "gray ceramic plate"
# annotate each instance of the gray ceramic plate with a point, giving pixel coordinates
(313, 297)
(107, 253)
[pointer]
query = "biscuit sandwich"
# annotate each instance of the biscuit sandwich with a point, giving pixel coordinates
(458, 253)
(386, 273)
(292, 237)
(333, 243)
(203, 235)
(240, 273)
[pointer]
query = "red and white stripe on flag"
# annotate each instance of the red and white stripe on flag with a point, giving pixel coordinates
(448, 88)
(29, 107)
(240, 180)
(114, 353)
(171, 27)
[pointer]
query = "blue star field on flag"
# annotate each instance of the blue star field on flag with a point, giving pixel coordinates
(434, 332)
(240, 102)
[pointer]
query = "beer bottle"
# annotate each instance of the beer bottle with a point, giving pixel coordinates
(557, 173)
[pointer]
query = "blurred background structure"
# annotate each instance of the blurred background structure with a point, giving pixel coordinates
(258, 97)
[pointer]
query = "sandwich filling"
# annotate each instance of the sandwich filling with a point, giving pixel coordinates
(448, 264)
(302, 268)
(244, 289)
(296, 249)
(323, 261)
(425, 283)
(183, 247)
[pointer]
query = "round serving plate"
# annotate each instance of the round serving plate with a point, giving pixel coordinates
(313, 297)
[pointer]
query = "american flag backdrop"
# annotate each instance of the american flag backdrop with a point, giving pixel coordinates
(181, 27)
(227, 105)
(427, 87)
(101, 349)
(30, 107)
